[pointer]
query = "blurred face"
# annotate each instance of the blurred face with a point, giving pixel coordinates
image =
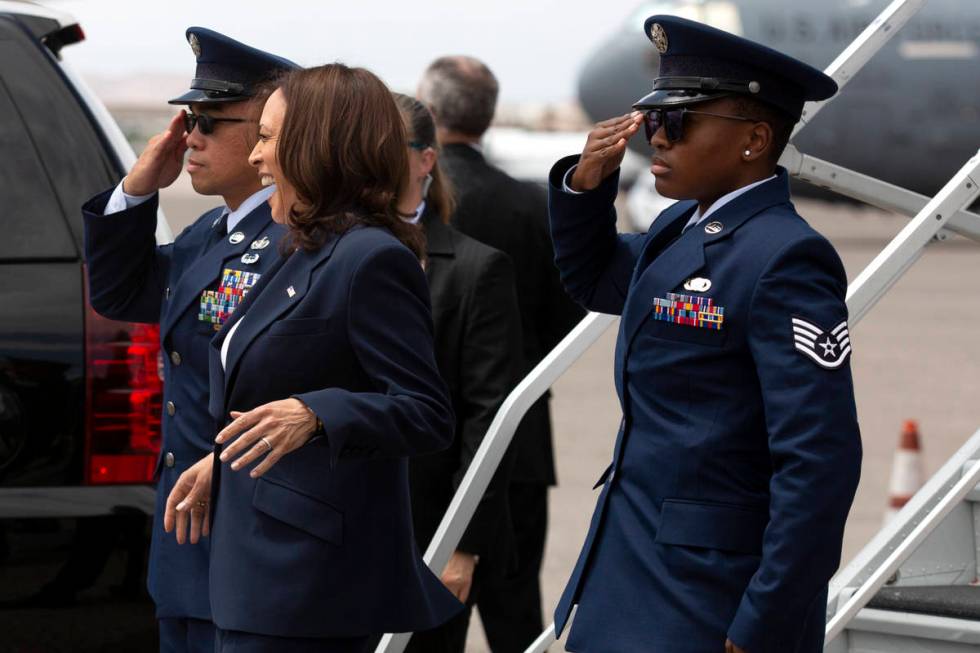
(218, 162)
(265, 161)
(421, 160)
(707, 161)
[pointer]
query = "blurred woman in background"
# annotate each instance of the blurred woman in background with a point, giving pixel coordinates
(477, 345)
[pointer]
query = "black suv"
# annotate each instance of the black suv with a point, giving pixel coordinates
(79, 394)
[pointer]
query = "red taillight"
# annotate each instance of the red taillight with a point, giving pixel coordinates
(124, 391)
(62, 37)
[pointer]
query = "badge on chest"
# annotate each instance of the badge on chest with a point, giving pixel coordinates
(218, 305)
(699, 312)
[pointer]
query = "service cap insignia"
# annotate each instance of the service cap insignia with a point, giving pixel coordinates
(659, 37)
(195, 44)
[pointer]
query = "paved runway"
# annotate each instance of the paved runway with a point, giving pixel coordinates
(915, 356)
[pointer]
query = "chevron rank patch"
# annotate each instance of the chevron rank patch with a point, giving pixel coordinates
(689, 310)
(828, 348)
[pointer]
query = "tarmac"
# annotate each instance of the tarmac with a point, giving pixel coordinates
(914, 357)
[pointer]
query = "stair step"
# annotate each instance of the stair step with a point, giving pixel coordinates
(953, 601)
(887, 631)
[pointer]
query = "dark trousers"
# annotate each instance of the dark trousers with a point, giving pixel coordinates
(234, 641)
(186, 636)
(510, 602)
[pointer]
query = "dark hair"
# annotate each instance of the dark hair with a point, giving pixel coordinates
(422, 131)
(462, 93)
(779, 121)
(342, 147)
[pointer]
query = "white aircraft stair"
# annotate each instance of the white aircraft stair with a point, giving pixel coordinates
(914, 587)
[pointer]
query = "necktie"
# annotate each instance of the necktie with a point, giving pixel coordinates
(690, 223)
(219, 230)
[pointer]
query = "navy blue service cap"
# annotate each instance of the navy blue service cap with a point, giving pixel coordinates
(227, 70)
(699, 63)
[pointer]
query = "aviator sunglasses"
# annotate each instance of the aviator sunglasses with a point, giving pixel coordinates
(672, 120)
(205, 123)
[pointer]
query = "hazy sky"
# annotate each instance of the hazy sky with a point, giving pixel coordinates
(535, 47)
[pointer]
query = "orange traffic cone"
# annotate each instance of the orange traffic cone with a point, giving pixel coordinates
(907, 471)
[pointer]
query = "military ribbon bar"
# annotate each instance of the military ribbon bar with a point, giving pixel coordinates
(699, 312)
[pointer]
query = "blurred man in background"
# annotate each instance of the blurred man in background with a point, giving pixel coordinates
(513, 217)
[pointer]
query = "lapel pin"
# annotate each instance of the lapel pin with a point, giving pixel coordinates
(236, 238)
(713, 227)
(250, 258)
(216, 221)
(261, 243)
(291, 291)
(697, 284)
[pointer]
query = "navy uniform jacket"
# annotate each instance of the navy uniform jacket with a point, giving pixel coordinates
(132, 279)
(322, 544)
(723, 511)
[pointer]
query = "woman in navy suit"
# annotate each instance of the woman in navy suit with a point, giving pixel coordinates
(328, 376)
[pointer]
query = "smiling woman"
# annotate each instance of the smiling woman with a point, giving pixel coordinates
(328, 375)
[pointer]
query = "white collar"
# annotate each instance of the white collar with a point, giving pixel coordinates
(419, 210)
(723, 200)
(249, 205)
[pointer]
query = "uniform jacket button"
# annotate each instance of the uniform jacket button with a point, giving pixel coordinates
(175, 357)
(168, 460)
(171, 408)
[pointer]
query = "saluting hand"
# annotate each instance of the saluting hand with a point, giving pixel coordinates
(161, 161)
(732, 648)
(187, 504)
(271, 430)
(604, 150)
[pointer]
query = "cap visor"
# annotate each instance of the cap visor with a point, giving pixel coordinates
(674, 98)
(194, 96)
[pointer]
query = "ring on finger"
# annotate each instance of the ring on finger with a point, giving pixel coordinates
(266, 443)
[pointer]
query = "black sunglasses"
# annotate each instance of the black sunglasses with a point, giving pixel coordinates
(205, 123)
(672, 120)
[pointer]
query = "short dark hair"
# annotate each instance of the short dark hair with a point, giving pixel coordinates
(461, 92)
(343, 149)
(778, 120)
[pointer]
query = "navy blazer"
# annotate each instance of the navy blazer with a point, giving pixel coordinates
(723, 510)
(322, 544)
(132, 279)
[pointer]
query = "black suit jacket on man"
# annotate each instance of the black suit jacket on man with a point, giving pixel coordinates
(513, 217)
(477, 346)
